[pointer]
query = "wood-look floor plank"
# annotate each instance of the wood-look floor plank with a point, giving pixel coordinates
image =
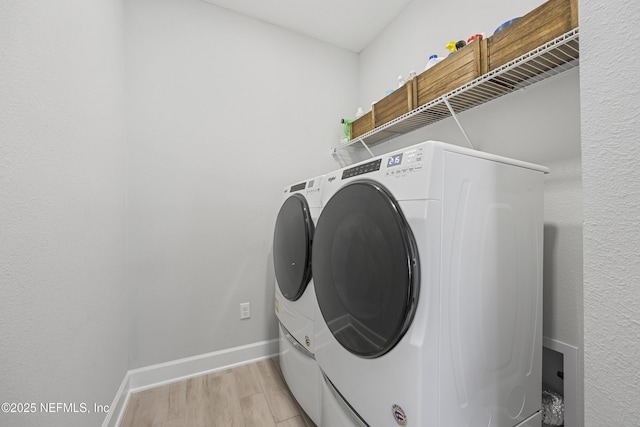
(246, 396)
(176, 422)
(177, 399)
(256, 411)
(169, 401)
(281, 402)
(247, 377)
(196, 399)
(225, 402)
(212, 401)
(146, 408)
(130, 412)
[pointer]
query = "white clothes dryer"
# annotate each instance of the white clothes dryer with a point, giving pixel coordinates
(295, 301)
(428, 274)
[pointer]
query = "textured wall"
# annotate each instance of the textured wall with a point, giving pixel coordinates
(63, 305)
(610, 85)
(224, 111)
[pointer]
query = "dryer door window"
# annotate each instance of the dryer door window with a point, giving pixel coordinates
(292, 247)
(366, 269)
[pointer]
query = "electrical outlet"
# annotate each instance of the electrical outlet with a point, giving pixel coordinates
(245, 310)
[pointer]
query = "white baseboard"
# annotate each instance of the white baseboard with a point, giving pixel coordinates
(119, 403)
(181, 369)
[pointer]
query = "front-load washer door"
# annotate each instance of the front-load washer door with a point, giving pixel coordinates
(366, 268)
(292, 241)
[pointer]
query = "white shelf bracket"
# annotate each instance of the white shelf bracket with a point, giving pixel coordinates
(366, 148)
(453, 114)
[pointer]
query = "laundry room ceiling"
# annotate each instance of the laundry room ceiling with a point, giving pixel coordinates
(350, 24)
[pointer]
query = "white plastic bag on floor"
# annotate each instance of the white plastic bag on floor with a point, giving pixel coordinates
(552, 407)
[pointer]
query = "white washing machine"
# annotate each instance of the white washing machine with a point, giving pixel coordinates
(427, 266)
(295, 301)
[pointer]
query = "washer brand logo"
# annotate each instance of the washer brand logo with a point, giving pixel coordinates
(331, 178)
(307, 340)
(399, 415)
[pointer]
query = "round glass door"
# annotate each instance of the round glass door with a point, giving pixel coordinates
(292, 240)
(366, 268)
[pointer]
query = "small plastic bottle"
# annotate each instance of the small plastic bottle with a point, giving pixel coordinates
(433, 60)
(347, 128)
(478, 36)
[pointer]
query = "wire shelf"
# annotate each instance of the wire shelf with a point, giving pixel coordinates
(555, 57)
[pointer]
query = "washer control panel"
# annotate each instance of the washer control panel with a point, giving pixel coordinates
(400, 164)
(396, 164)
(298, 187)
(307, 187)
(361, 169)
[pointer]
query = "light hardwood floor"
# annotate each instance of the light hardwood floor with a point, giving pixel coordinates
(245, 396)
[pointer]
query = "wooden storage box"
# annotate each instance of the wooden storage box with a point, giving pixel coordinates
(362, 125)
(543, 24)
(454, 71)
(394, 105)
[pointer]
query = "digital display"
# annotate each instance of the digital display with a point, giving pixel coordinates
(394, 160)
(298, 187)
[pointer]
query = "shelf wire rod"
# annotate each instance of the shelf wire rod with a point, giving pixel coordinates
(455, 117)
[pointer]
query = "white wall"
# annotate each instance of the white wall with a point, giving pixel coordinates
(64, 304)
(540, 124)
(610, 157)
(224, 111)
(563, 252)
